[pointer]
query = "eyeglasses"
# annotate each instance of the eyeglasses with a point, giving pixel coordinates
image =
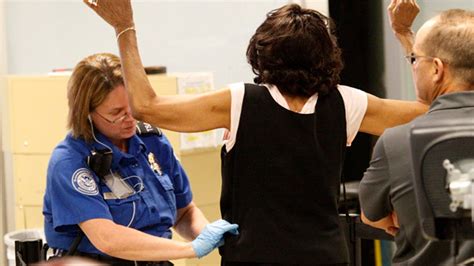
(115, 121)
(412, 58)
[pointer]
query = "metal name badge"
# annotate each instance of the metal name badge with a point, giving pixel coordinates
(154, 164)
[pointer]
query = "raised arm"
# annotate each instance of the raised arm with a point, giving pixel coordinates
(386, 113)
(402, 13)
(180, 113)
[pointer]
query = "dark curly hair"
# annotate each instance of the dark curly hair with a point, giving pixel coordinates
(295, 50)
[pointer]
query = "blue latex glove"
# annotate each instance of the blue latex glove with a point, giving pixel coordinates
(212, 236)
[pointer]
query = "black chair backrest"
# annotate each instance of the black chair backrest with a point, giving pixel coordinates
(431, 144)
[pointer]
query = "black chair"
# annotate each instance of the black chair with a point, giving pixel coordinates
(443, 163)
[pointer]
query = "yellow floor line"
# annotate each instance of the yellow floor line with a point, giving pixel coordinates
(378, 253)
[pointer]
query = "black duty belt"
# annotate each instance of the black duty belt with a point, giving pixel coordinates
(117, 261)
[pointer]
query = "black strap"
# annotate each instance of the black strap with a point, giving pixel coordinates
(73, 248)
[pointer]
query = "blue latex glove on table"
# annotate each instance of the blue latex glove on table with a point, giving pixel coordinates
(212, 236)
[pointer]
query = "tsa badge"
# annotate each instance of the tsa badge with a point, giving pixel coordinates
(154, 164)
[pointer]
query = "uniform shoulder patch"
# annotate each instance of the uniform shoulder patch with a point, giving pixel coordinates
(83, 181)
(145, 129)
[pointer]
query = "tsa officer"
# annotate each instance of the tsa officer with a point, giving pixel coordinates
(121, 187)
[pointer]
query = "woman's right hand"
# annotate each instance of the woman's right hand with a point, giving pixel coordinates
(118, 13)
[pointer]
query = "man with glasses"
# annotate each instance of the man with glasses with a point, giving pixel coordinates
(442, 61)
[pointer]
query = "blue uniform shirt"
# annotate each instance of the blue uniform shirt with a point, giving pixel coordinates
(75, 194)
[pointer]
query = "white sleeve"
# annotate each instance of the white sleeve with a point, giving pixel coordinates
(355, 103)
(237, 91)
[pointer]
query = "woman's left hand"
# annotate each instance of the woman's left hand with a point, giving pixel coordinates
(118, 13)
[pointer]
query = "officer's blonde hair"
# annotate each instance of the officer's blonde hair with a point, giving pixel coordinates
(92, 80)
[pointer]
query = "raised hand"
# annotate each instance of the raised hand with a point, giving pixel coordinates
(402, 13)
(118, 13)
(212, 236)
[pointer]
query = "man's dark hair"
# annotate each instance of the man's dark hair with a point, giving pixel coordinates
(295, 50)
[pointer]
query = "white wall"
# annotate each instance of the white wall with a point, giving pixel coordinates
(192, 35)
(398, 77)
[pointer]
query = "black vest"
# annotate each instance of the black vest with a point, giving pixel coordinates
(280, 182)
